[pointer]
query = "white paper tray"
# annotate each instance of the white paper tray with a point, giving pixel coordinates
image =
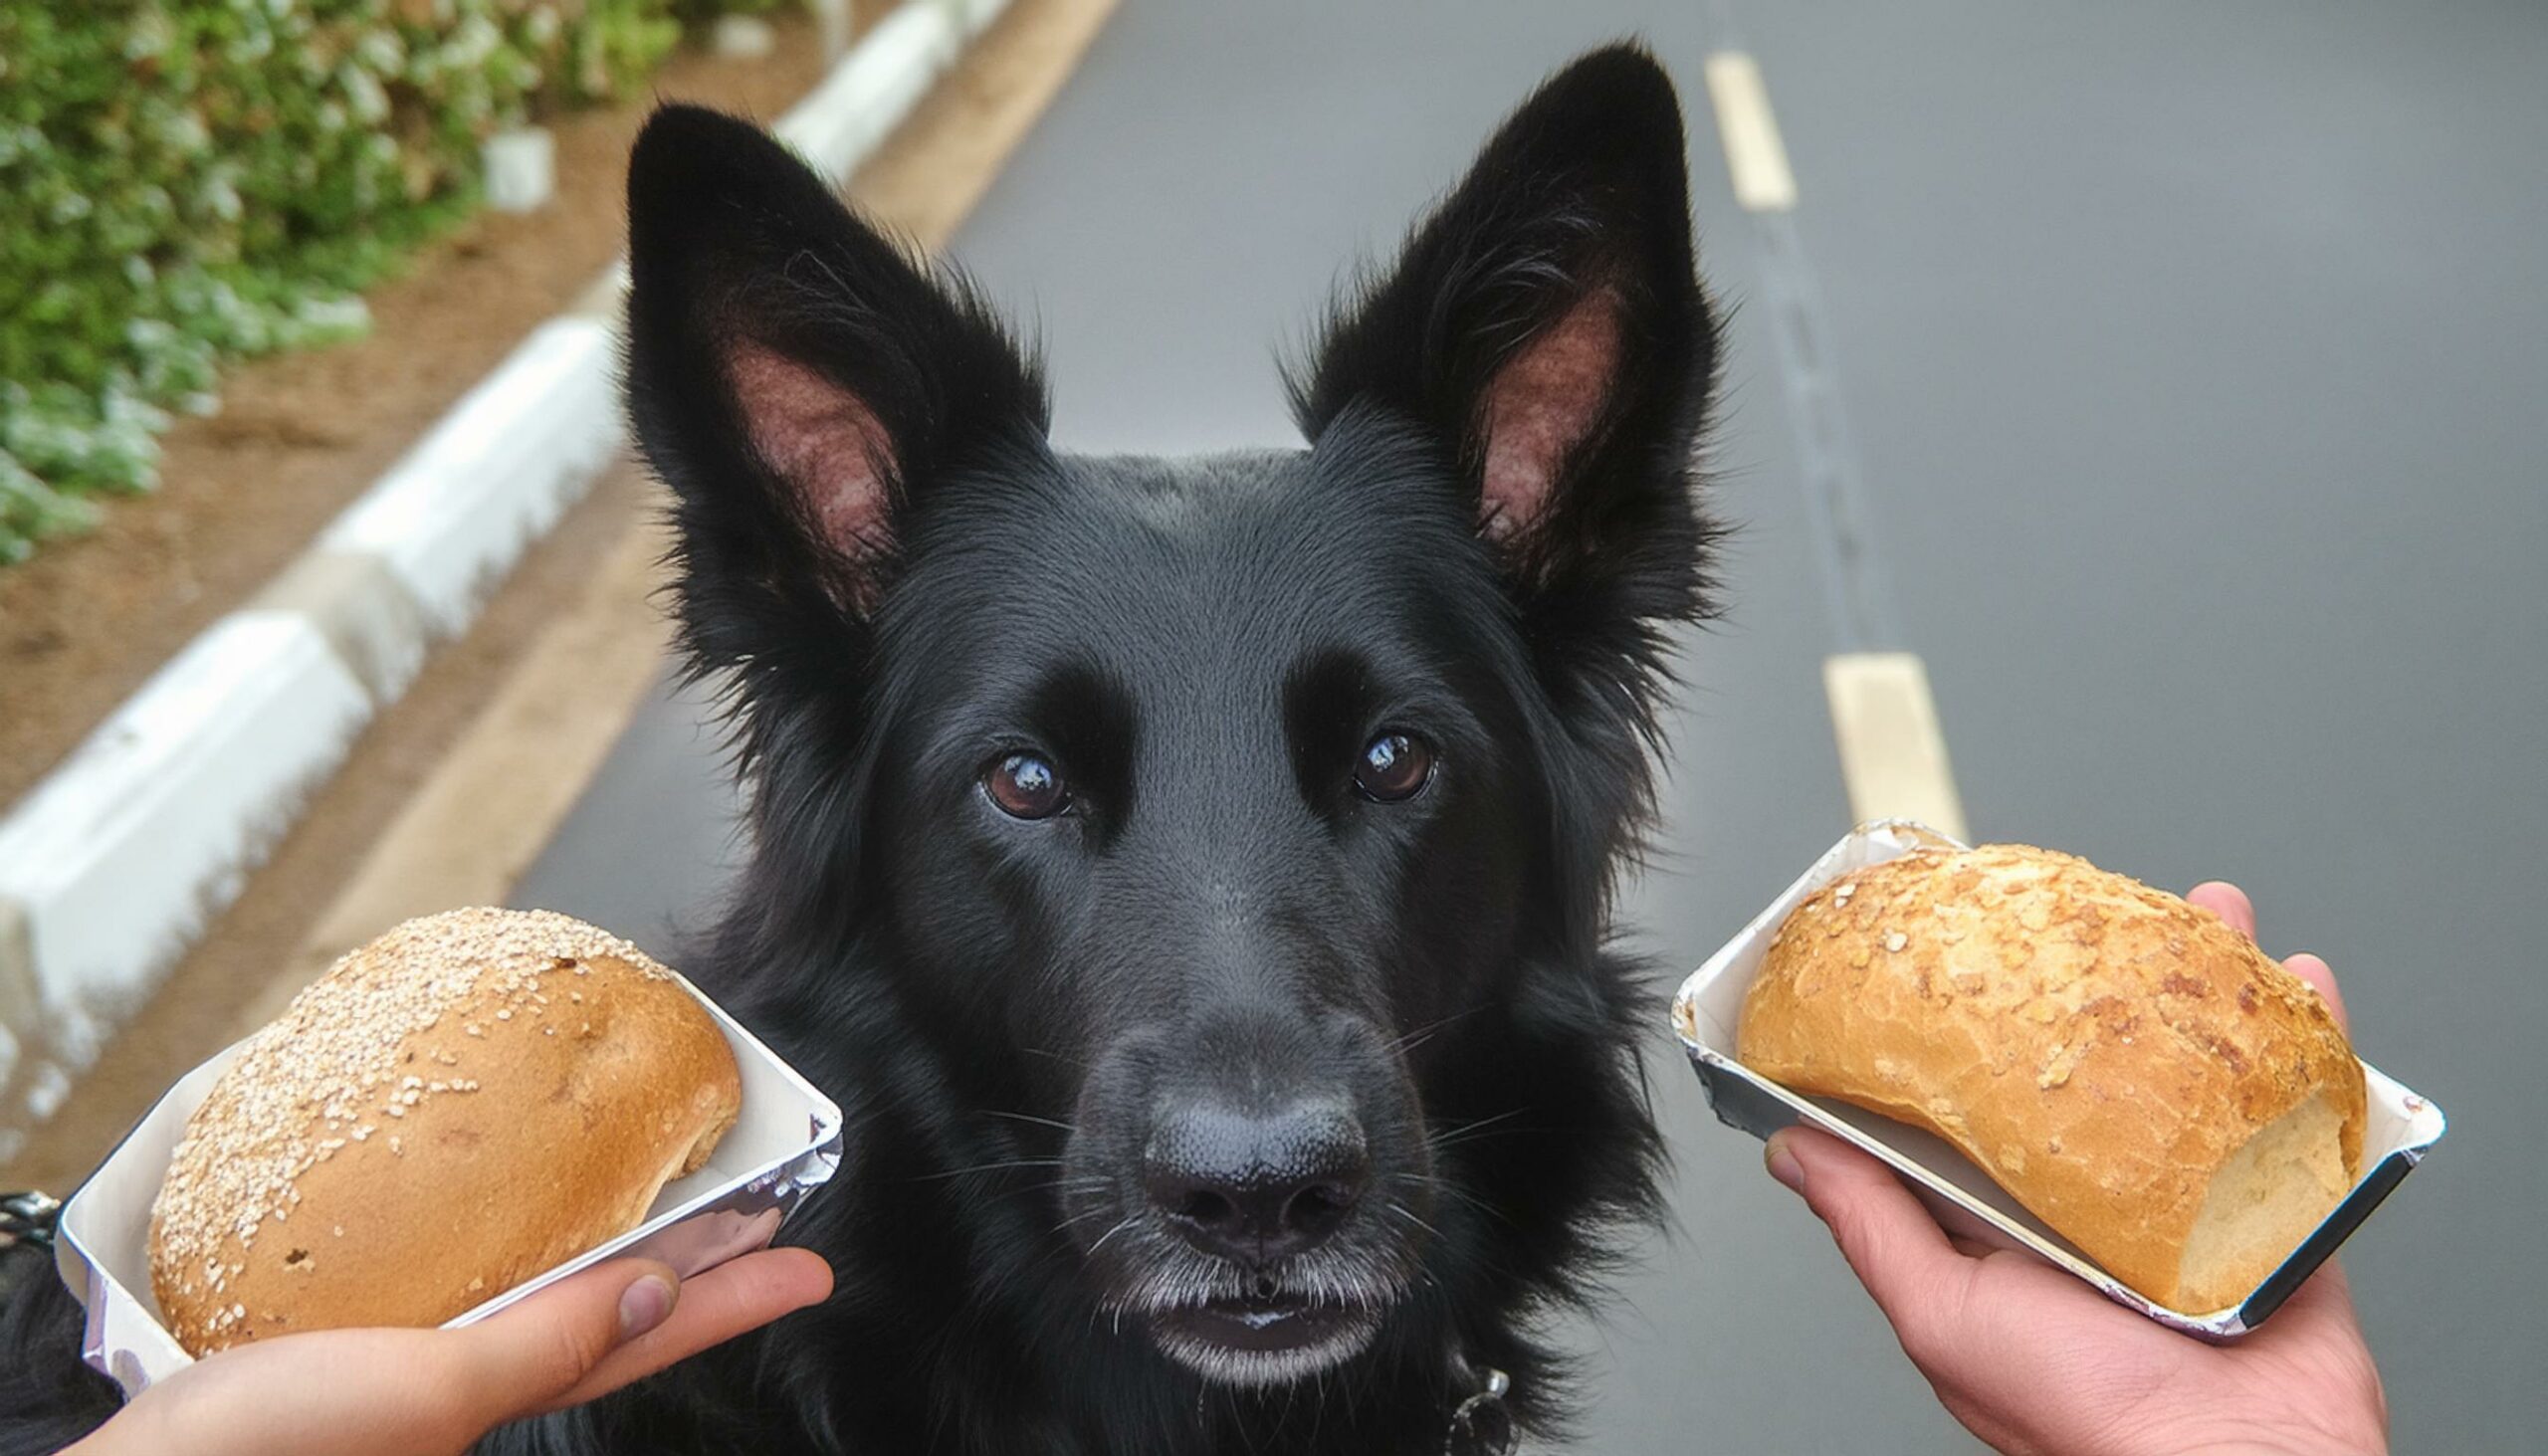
(785, 1143)
(2401, 1127)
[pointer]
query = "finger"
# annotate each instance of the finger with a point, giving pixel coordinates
(2230, 903)
(2322, 978)
(2322, 1304)
(2326, 1285)
(739, 1294)
(1965, 1229)
(1892, 1244)
(523, 1360)
(2227, 900)
(383, 1393)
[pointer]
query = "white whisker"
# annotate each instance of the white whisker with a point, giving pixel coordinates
(1128, 1222)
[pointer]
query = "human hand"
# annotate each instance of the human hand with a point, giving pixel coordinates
(2032, 1361)
(433, 1393)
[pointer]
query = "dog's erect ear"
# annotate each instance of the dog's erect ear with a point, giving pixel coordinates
(1546, 325)
(797, 380)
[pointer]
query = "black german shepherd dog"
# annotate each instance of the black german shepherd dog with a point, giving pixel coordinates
(1191, 876)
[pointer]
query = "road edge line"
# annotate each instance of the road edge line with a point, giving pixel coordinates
(1893, 752)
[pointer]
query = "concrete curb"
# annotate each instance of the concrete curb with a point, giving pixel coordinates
(492, 476)
(114, 863)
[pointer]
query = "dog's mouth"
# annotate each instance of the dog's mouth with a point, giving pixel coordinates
(1265, 1340)
(1257, 1237)
(1265, 1325)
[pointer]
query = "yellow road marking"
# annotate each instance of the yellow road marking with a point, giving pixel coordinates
(1752, 151)
(1893, 756)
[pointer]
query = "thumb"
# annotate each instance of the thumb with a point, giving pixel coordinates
(525, 1358)
(1892, 1244)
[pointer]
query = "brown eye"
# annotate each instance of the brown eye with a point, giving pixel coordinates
(1026, 786)
(1395, 767)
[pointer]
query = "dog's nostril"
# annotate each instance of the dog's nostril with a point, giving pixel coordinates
(1252, 1188)
(1315, 1212)
(1205, 1207)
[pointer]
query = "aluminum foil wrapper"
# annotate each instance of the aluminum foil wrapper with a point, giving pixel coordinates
(2401, 1126)
(785, 1143)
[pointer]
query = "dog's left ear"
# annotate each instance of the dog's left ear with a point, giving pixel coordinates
(1546, 327)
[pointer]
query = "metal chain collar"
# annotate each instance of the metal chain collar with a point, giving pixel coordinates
(28, 1218)
(1481, 1425)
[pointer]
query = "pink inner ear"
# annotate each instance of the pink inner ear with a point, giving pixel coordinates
(1539, 406)
(823, 441)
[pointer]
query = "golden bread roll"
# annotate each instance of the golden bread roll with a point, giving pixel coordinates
(2132, 1069)
(470, 1100)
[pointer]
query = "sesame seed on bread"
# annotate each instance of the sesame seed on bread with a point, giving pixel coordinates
(454, 1108)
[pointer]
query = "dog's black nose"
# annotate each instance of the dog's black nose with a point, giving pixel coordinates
(1254, 1189)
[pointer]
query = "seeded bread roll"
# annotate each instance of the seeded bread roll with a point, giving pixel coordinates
(2132, 1069)
(470, 1100)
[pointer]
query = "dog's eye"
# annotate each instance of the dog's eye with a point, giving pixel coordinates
(1026, 786)
(1395, 767)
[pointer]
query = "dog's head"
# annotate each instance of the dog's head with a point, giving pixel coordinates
(1240, 829)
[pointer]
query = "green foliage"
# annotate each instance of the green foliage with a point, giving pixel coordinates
(697, 10)
(188, 181)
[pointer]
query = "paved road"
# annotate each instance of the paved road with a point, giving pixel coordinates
(2194, 358)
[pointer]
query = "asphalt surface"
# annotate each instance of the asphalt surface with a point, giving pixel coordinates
(2194, 362)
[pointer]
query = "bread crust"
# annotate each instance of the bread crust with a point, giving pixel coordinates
(463, 1103)
(2100, 1048)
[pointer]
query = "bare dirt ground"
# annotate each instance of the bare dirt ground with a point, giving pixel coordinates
(299, 435)
(349, 860)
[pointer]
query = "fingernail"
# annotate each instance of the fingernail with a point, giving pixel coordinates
(1782, 1164)
(644, 1306)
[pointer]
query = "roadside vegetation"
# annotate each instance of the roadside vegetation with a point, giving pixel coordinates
(188, 182)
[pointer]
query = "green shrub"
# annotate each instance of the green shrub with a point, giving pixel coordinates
(188, 181)
(697, 10)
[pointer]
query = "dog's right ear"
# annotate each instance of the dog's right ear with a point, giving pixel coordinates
(795, 378)
(1545, 329)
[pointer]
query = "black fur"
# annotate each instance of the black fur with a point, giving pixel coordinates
(1203, 648)
(47, 1398)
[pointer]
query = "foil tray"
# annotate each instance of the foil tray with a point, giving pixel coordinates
(2401, 1126)
(785, 1143)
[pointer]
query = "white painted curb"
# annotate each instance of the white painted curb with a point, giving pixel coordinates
(521, 167)
(872, 88)
(495, 474)
(121, 858)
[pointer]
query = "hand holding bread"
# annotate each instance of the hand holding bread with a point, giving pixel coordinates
(465, 1103)
(462, 1105)
(436, 1392)
(2130, 1068)
(2032, 1359)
